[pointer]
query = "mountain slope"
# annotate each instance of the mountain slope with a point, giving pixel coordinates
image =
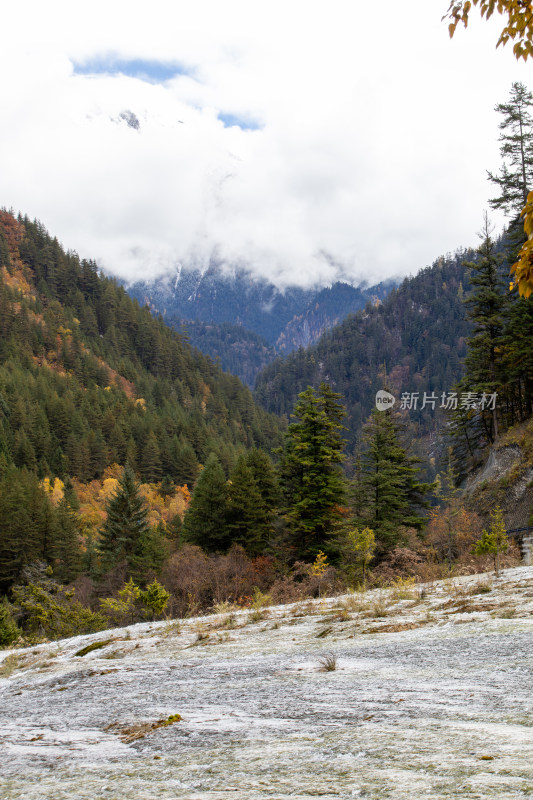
(414, 341)
(88, 378)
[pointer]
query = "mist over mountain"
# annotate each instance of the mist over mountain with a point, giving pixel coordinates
(246, 321)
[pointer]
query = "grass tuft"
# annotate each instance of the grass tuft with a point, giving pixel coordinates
(328, 663)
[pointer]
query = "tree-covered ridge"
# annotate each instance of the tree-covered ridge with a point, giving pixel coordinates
(239, 351)
(414, 341)
(88, 378)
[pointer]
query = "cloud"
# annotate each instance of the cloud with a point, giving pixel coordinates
(301, 141)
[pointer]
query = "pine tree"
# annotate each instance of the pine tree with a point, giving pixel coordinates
(155, 598)
(518, 357)
(390, 497)
(126, 524)
(150, 459)
(265, 476)
(248, 517)
(516, 175)
(67, 555)
(205, 520)
(310, 474)
(357, 551)
(31, 528)
(486, 305)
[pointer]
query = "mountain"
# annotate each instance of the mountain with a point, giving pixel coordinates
(284, 320)
(237, 350)
(89, 378)
(413, 341)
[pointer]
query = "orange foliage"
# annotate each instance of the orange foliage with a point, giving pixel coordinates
(13, 231)
(452, 531)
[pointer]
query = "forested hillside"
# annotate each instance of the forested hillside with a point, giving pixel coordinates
(88, 378)
(237, 350)
(89, 382)
(414, 341)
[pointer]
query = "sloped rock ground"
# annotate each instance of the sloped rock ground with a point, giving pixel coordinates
(431, 698)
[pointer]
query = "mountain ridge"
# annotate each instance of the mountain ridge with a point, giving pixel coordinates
(284, 319)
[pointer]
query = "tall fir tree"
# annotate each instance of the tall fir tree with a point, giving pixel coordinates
(205, 522)
(126, 525)
(516, 175)
(389, 496)
(248, 516)
(311, 476)
(486, 306)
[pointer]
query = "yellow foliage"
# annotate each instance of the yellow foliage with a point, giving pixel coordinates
(108, 489)
(56, 491)
(320, 564)
(523, 269)
(93, 498)
(113, 471)
(518, 27)
(141, 402)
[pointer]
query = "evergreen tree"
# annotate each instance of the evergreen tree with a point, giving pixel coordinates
(152, 549)
(265, 476)
(311, 477)
(248, 517)
(518, 357)
(516, 150)
(150, 459)
(205, 520)
(27, 525)
(155, 598)
(67, 556)
(126, 524)
(486, 305)
(390, 497)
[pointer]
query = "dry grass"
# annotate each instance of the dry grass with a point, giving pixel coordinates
(131, 732)
(328, 663)
(10, 663)
(354, 603)
(404, 589)
(379, 607)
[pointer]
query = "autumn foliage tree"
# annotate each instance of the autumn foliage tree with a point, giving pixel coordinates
(518, 28)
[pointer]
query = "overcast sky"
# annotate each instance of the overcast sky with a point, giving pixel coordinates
(306, 140)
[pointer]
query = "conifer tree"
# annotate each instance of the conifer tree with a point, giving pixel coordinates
(494, 541)
(27, 529)
(516, 175)
(265, 477)
(248, 517)
(486, 306)
(311, 477)
(205, 520)
(67, 556)
(390, 497)
(150, 459)
(126, 524)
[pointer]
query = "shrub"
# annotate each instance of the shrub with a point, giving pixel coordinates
(47, 609)
(9, 631)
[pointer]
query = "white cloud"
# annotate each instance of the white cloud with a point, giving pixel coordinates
(375, 133)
